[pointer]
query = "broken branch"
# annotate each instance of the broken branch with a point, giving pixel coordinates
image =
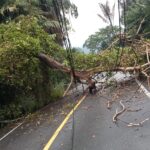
(118, 113)
(137, 124)
(69, 86)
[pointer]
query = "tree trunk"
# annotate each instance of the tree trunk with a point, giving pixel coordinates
(85, 74)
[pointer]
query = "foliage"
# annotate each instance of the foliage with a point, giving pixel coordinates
(20, 43)
(28, 27)
(106, 60)
(10, 111)
(101, 39)
(24, 81)
(46, 11)
(58, 91)
(136, 12)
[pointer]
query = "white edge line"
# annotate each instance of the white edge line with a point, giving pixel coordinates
(143, 88)
(10, 131)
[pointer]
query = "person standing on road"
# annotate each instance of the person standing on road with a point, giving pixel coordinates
(91, 85)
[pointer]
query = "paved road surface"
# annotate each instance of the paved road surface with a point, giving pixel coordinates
(94, 129)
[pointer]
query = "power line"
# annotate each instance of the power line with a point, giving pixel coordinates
(70, 57)
(63, 24)
(124, 7)
(118, 51)
(122, 36)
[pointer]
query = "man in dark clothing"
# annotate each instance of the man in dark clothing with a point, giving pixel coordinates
(92, 86)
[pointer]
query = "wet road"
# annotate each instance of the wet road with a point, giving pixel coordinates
(93, 126)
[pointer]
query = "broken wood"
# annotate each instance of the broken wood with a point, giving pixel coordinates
(69, 86)
(140, 26)
(118, 113)
(137, 124)
(133, 110)
(109, 103)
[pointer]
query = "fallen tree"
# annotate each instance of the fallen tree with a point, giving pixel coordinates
(138, 48)
(89, 72)
(85, 74)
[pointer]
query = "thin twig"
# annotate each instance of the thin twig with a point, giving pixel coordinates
(146, 69)
(132, 110)
(140, 26)
(147, 54)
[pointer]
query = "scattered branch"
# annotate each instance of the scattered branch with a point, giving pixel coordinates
(109, 103)
(147, 54)
(132, 110)
(118, 113)
(69, 86)
(137, 124)
(140, 26)
(112, 44)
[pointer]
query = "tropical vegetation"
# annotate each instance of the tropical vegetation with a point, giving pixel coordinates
(33, 28)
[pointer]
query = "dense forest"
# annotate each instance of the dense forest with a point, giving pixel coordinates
(29, 28)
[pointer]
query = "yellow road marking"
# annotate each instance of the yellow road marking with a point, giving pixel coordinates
(50, 142)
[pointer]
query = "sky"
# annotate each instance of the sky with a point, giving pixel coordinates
(88, 21)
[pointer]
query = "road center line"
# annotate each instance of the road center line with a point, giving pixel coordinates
(52, 139)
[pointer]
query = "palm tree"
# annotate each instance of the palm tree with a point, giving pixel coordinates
(108, 14)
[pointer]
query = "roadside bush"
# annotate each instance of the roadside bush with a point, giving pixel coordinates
(25, 83)
(57, 91)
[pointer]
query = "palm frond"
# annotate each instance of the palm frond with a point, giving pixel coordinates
(105, 20)
(103, 9)
(113, 12)
(107, 8)
(108, 13)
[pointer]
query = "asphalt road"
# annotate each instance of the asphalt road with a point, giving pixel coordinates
(93, 126)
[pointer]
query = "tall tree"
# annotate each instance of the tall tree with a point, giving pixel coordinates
(101, 39)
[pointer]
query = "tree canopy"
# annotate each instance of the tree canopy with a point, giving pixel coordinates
(138, 16)
(101, 39)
